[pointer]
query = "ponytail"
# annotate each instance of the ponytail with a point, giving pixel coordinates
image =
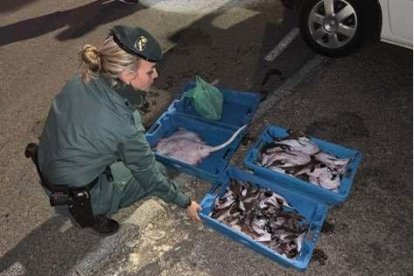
(109, 59)
(90, 62)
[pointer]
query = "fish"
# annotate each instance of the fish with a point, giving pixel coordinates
(332, 162)
(301, 158)
(188, 147)
(288, 159)
(302, 144)
(167, 145)
(325, 178)
(263, 215)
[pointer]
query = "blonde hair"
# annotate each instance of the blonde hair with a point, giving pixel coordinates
(109, 59)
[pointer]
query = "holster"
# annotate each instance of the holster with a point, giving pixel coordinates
(80, 207)
(77, 199)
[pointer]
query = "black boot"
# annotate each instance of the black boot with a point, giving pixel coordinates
(104, 225)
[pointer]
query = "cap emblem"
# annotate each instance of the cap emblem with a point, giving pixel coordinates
(141, 43)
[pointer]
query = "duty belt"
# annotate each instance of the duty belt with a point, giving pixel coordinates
(76, 198)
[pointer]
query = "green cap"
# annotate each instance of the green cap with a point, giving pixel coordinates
(138, 42)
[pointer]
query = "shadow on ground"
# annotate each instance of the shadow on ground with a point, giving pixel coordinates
(201, 49)
(77, 21)
(205, 49)
(222, 54)
(49, 249)
(13, 5)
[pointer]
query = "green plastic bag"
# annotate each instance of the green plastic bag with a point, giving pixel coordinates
(206, 99)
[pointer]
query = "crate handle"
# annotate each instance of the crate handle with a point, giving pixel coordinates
(313, 232)
(153, 128)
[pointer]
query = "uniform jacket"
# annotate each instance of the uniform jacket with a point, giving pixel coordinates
(90, 126)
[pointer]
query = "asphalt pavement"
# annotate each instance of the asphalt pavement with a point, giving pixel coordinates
(363, 102)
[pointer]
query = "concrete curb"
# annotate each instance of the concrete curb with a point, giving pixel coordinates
(127, 234)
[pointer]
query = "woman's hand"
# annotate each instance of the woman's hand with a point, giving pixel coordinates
(192, 211)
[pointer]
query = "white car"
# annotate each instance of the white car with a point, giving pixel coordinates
(338, 27)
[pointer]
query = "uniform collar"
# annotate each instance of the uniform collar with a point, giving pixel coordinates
(133, 98)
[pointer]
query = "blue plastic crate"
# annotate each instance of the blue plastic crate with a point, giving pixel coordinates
(313, 211)
(238, 106)
(291, 182)
(212, 133)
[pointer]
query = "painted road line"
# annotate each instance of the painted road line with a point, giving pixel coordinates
(286, 88)
(282, 45)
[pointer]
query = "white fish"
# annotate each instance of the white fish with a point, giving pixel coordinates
(258, 227)
(325, 178)
(188, 149)
(182, 133)
(332, 162)
(264, 238)
(225, 201)
(302, 144)
(224, 215)
(293, 158)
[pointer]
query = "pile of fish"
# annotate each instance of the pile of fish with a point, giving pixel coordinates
(302, 158)
(188, 147)
(263, 215)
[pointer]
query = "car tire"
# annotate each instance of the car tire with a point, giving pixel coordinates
(340, 31)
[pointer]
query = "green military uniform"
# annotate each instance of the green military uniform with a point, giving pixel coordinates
(92, 125)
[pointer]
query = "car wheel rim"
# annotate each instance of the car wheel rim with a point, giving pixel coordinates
(332, 23)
